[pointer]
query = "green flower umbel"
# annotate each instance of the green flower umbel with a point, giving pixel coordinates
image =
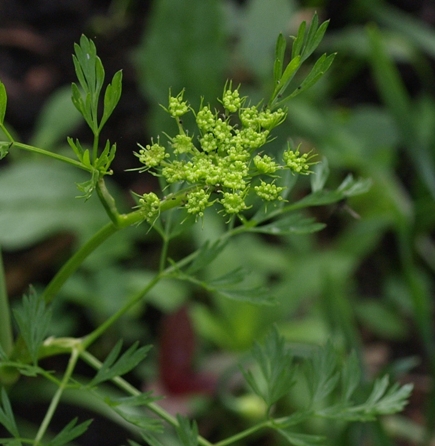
(218, 165)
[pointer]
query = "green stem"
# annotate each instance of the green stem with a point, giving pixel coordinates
(107, 201)
(56, 398)
(6, 337)
(95, 145)
(93, 336)
(243, 434)
(76, 260)
(6, 132)
(56, 156)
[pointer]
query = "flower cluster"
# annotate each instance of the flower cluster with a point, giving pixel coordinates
(222, 164)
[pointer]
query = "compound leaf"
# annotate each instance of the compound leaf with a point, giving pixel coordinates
(33, 320)
(187, 432)
(113, 367)
(69, 432)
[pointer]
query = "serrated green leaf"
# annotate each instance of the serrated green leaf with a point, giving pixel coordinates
(3, 102)
(378, 391)
(350, 376)
(6, 415)
(395, 399)
(69, 432)
(292, 224)
(276, 366)
(187, 432)
(113, 367)
(301, 439)
(111, 97)
(77, 100)
(321, 372)
(103, 162)
(206, 254)
(76, 147)
(90, 73)
(33, 320)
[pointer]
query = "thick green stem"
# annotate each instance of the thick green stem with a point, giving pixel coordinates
(76, 260)
(107, 201)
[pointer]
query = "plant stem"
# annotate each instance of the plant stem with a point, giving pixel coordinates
(93, 336)
(76, 260)
(56, 156)
(6, 132)
(56, 398)
(243, 434)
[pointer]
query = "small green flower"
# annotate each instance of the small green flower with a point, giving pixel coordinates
(151, 155)
(182, 144)
(251, 139)
(269, 120)
(222, 131)
(231, 100)
(149, 205)
(268, 191)
(208, 142)
(197, 202)
(297, 162)
(265, 164)
(177, 107)
(233, 203)
(205, 119)
(249, 117)
(175, 171)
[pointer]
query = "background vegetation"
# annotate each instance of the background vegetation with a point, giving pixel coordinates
(366, 281)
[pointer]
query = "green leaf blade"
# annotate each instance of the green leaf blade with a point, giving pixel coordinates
(6, 415)
(69, 432)
(3, 102)
(279, 58)
(111, 97)
(187, 432)
(114, 366)
(33, 320)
